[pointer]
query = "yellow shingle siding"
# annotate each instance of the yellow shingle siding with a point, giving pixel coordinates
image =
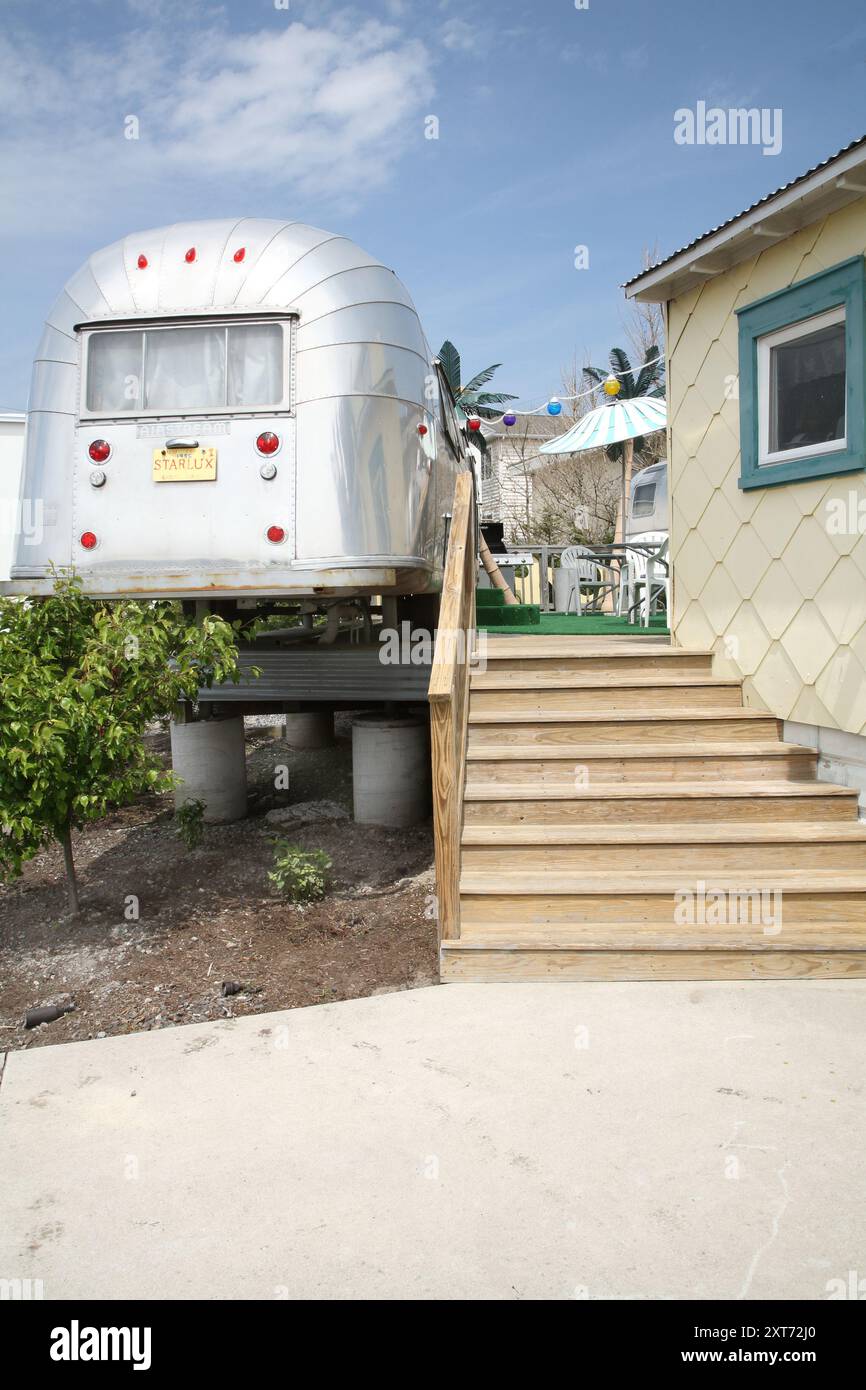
(758, 575)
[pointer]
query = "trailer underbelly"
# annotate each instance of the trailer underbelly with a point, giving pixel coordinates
(349, 579)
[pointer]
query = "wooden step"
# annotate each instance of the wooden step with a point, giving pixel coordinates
(663, 936)
(537, 804)
(694, 692)
(537, 905)
(643, 662)
(618, 798)
(704, 850)
(523, 679)
(626, 727)
(481, 962)
(588, 764)
(514, 645)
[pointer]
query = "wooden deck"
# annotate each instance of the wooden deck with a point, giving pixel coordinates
(624, 816)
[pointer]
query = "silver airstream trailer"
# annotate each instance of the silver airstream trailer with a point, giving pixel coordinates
(648, 512)
(238, 410)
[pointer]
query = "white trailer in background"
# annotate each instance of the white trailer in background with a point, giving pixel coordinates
(11, 460)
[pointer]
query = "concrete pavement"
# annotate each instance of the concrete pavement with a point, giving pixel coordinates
(472, 1141)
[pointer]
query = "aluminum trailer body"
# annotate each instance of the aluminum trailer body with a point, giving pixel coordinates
(238, 409)
(14, 519)
(649, 504)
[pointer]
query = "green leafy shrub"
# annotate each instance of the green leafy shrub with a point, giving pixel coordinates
(81, 681)
(300, 874)
(189, 825)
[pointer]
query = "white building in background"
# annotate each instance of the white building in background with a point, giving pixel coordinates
(521, 487)
(508, 466)
(11, 457)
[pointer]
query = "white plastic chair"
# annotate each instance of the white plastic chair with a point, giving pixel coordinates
(588, 577)
(646, 577)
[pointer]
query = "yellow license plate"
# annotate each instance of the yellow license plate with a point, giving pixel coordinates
(184, 465)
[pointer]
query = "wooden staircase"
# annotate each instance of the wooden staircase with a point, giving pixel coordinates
(621, 815)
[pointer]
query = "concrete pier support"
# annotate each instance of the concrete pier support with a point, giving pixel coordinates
(209, 757)
(310, 729)
(390, 769)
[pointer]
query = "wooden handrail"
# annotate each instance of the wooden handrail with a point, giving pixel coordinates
(449, 701)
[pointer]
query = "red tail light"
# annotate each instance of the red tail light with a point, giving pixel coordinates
(87, 540)
(100, 450)
(276, 535)
(268, 443)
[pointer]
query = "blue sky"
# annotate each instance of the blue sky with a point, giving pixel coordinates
(556, 130)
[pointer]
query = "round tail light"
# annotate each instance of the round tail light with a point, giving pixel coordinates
(422, 430)
(87, 540)
(474, 422)
(276, 535)
(268, 443)
(100, 450)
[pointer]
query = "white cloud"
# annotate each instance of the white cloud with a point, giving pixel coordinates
(459, 36)
(323, 113)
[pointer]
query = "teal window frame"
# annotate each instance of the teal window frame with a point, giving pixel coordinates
(842, 285)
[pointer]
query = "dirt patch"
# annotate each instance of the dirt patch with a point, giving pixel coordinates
(208, 915)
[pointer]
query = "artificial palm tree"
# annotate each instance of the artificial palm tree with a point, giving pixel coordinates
(471, 400)
(648, 382)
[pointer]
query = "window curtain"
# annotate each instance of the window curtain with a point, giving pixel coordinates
(255, 364)
(820, 355)
(185, 368)
(114, 372)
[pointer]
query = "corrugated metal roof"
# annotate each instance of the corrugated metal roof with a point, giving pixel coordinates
(768, 198)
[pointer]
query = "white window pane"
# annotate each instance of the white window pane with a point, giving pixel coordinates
(114, 373)
(185, 369)
(255, 364)
(644, 500)
(807, 390)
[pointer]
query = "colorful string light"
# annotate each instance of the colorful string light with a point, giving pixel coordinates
(611, 387)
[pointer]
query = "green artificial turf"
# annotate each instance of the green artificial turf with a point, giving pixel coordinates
(570, 625)
(518, 618)
(489, 598)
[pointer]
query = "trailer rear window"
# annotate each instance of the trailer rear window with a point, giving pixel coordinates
(644, 500)
(238, 366)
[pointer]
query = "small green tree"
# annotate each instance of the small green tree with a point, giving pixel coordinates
(80, 680)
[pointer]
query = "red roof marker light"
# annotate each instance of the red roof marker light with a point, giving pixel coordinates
(240, 253)
(142, 262)
(190, 255)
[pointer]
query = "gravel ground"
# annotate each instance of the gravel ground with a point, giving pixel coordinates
(208, 916)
